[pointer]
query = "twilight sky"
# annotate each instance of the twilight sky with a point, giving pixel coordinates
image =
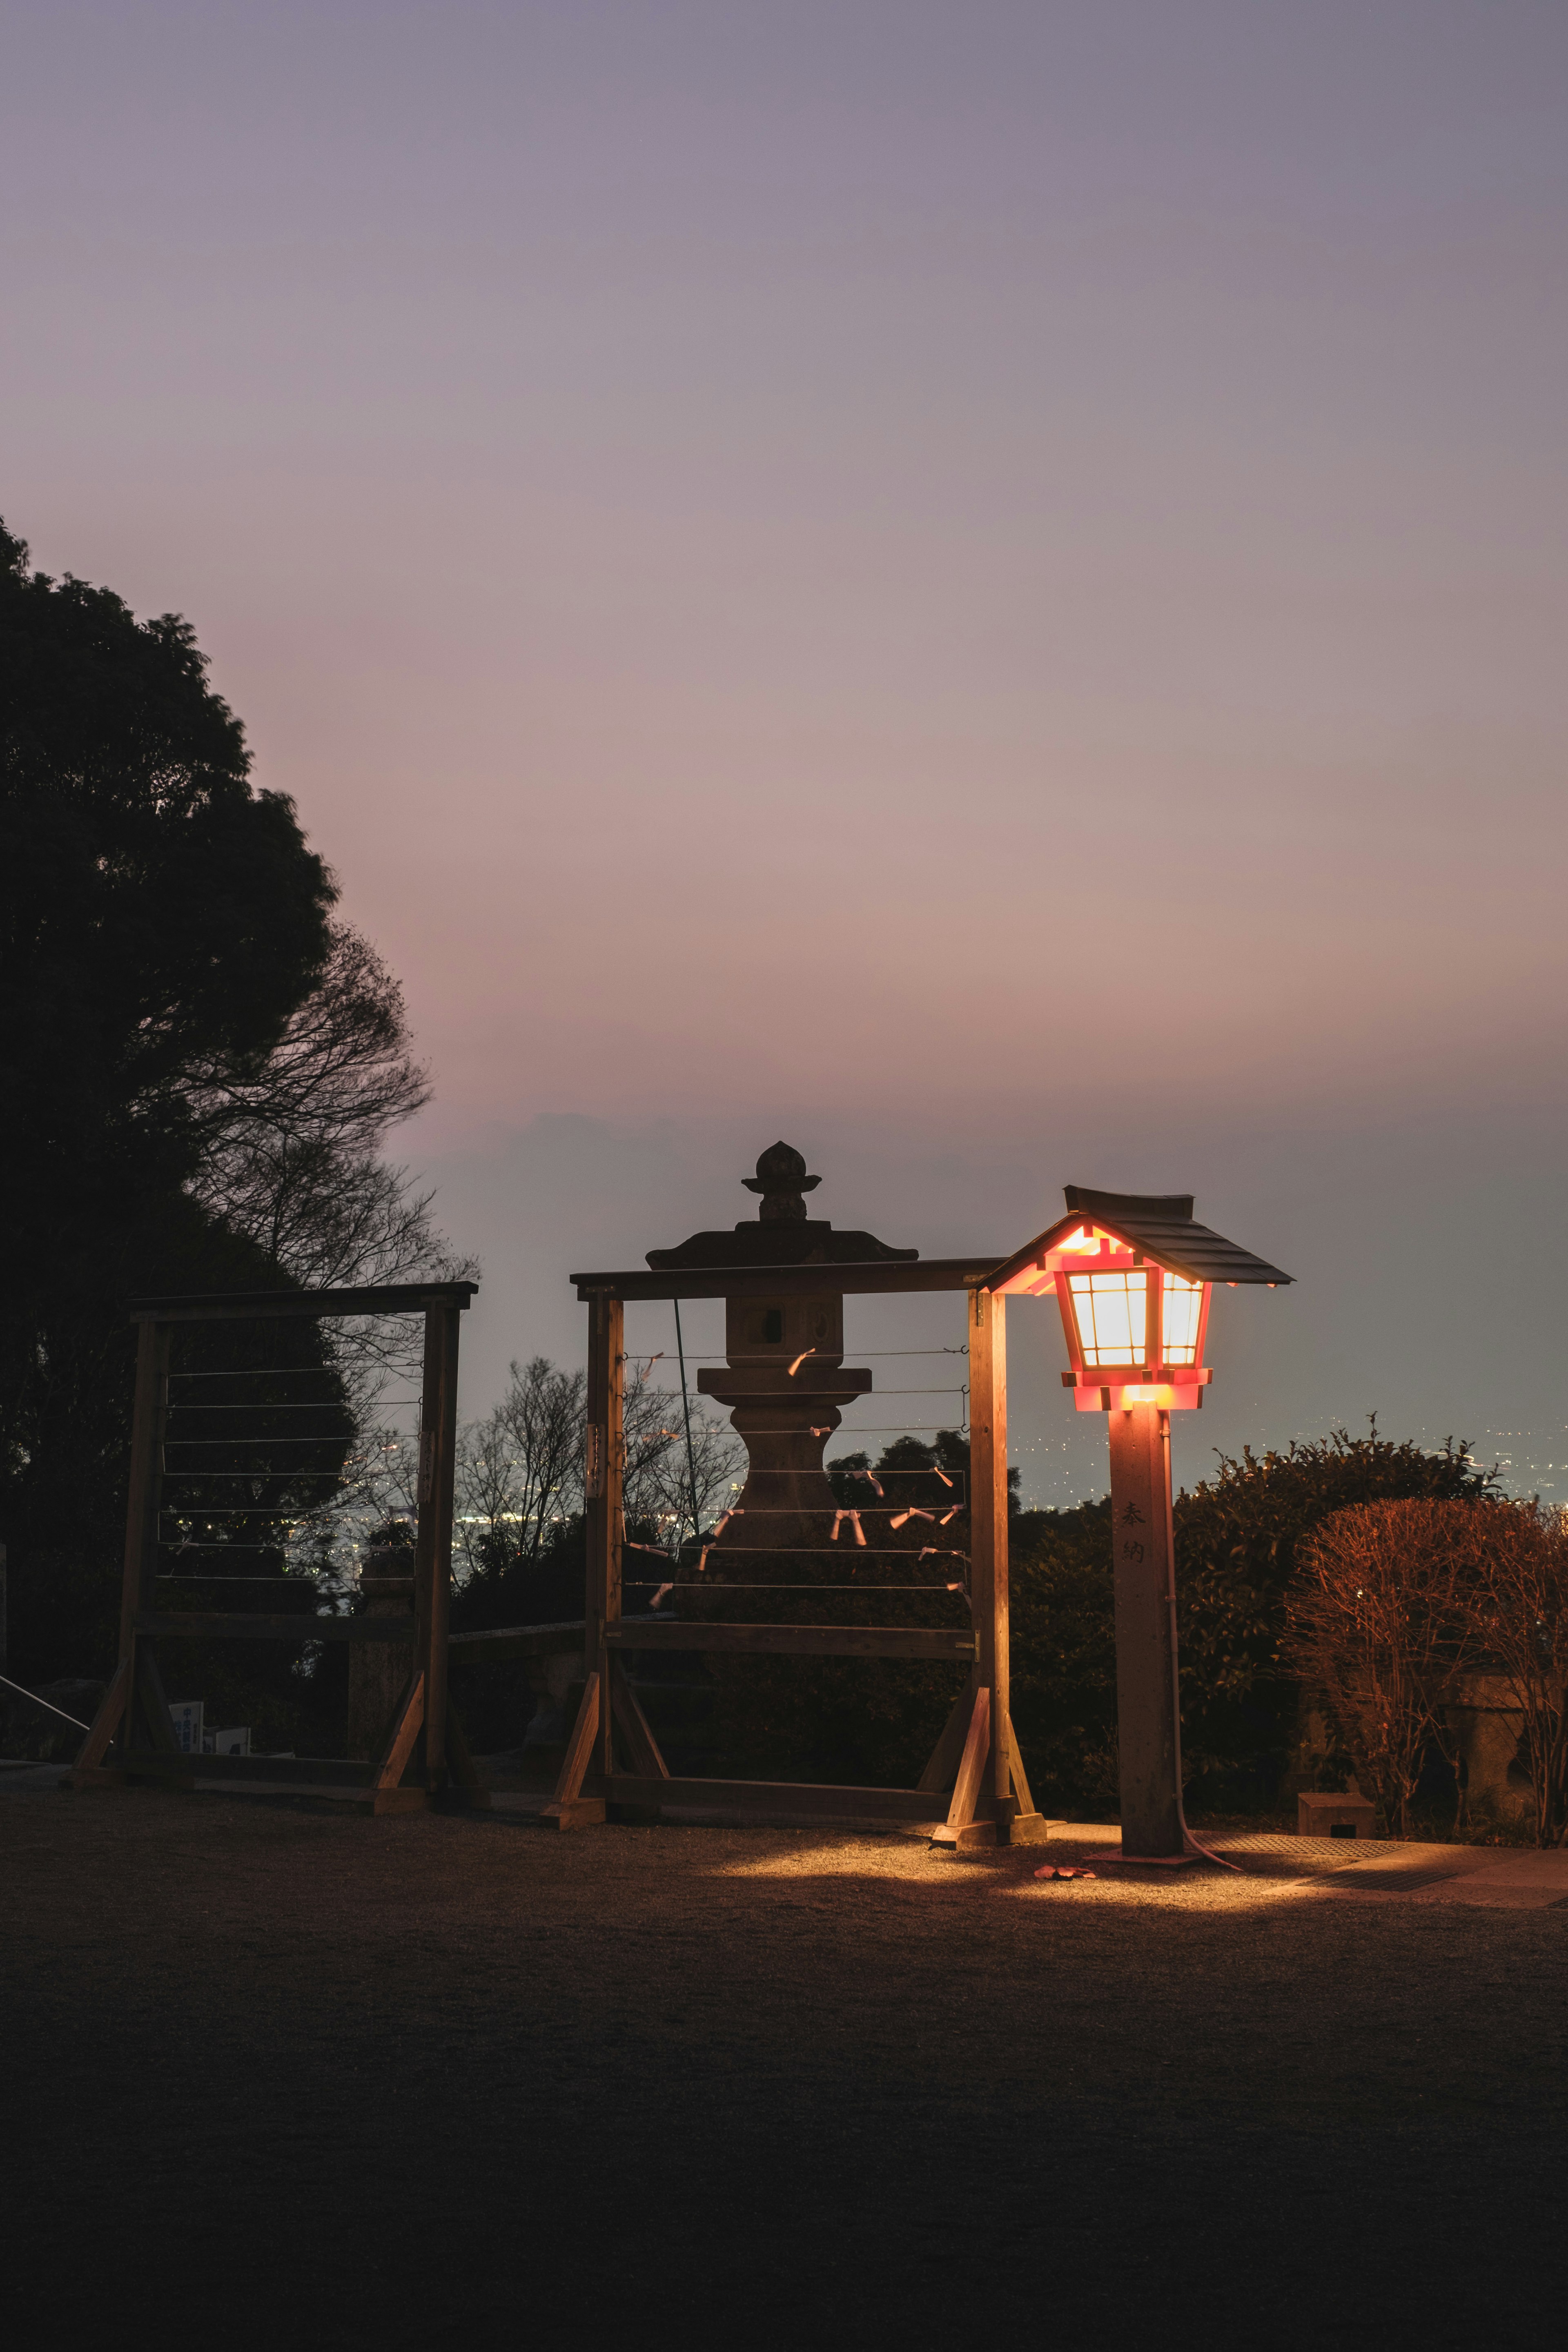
(982, 588)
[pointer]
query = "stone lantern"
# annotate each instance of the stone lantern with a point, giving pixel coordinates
(785, 1380)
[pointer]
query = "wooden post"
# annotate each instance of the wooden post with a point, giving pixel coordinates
(148, 1414)
(594, 1661)
(432, 1552)
(149, 1420)
(988, 1530)
(604, 1488)
(613, 1553)
(1148, 1728)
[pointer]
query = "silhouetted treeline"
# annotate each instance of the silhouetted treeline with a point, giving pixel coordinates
(197, 1066)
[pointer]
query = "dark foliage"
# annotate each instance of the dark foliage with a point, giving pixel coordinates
(197, 1064)
(511, 1586)
(1064, 1657)
(1236, 1535)
(854, 1720)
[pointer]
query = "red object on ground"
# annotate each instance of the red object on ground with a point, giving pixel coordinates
(1145, 1861)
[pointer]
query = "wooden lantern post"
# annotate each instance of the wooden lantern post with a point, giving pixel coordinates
(1133, 1275)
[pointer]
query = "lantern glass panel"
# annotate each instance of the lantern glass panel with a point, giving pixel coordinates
(1112, 1312)
(1182, 1312)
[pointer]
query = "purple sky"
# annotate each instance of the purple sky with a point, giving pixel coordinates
(981, 588)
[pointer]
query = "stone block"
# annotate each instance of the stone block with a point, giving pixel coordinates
(1344, 1815)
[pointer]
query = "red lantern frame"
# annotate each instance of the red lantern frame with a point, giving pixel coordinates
(1105, 1382)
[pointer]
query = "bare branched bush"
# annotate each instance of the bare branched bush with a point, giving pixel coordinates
(288, 1138)
(520, 1470)
(1382, 1619)
(1520, 1603)
(289, 1145)
(668, 1485)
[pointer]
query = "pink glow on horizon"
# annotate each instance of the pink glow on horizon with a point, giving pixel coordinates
(987, 583)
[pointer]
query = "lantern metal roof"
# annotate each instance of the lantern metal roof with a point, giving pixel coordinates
(1156, 1225)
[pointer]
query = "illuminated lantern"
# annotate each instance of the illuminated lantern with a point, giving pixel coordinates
(1133, 1275)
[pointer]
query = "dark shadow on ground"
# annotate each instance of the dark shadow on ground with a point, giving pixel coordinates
(280, 2076)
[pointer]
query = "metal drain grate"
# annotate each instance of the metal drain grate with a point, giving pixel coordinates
(1381, 1866)
(1366, 1879)
(1273, 1855)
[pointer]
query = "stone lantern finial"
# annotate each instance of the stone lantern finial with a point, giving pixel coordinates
(781, 1179)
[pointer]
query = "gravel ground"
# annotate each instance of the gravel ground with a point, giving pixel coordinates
(280, 2075)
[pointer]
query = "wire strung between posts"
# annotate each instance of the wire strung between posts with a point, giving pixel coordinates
(322, 1437)
(321, 1404)
(642, 1585)
(297, 1471)
(820, 1510)
(824, 1551)
(45, 1704)
(265, 1372)
(168, 1543)
(166, 1576)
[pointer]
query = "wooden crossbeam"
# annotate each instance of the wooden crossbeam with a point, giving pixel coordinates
(345, 1772)
(809, 1797)
(491, 1643)
(857, 1278)
(239, 1625)
(247, 1306)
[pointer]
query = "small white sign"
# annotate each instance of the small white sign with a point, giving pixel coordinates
(185, 1715)
(227, 1743)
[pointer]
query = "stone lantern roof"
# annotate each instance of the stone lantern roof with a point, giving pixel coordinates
(781, 1233)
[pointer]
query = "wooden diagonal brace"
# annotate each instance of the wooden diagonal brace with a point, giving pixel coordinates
(1015, 1766)
(569, 1809)
(399, 1748)
(1027, 1827)
(95, 1746)
(961, 1827)
(635, 1725)
(976, 1747)
(944, 1757)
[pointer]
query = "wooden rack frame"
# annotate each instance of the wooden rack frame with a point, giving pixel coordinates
(613, 1758)
(425, 1757)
